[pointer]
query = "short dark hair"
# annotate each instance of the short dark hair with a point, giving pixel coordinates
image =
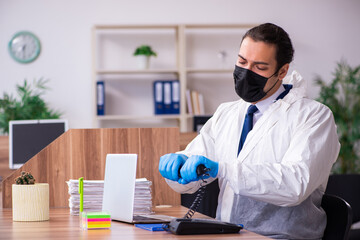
(273, 34)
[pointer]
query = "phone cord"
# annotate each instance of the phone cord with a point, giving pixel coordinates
(199, 196)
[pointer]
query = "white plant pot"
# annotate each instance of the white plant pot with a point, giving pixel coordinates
(30, 202)
(143, 62)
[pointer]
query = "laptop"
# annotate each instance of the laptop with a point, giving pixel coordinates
(119, 190)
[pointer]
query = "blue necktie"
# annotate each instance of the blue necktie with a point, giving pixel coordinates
(248, 125)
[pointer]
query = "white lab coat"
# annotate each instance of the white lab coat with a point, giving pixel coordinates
(286, 158)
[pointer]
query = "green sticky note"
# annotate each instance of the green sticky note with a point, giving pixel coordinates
(98, 215)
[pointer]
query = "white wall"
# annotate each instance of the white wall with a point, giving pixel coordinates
(323, 32)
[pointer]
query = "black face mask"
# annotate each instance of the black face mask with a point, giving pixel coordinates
(249, 85)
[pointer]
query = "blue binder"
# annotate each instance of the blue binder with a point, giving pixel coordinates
(151, 227)
(158, 97)
(100, 97)
(175, 97)
(167, 97)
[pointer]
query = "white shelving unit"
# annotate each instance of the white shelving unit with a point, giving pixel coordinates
(201, 57)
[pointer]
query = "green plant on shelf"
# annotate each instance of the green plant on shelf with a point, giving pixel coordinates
(144, 50)
(342, 96)
(30, 104)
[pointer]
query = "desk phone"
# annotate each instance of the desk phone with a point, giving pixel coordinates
(187, 225)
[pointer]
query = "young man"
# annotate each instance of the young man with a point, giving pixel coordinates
(271, 178)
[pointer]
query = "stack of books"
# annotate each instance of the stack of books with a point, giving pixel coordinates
(93, 196)
(195, 102)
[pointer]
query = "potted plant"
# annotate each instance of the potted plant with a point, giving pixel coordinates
(30, 200)
(342, 96)
(143, 53)
(30, 104)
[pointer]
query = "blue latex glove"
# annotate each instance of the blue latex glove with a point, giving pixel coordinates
(170, 164)
(188, 171)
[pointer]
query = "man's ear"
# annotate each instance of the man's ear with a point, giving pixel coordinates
(283, 71)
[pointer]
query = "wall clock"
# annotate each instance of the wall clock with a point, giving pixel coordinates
(24, 47)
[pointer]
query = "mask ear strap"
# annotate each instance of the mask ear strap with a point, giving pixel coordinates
(272, 86)
(275, 82)
(276, 72)
(273, 74)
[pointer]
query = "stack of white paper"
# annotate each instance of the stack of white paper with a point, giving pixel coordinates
(142, 199)
(93, 196)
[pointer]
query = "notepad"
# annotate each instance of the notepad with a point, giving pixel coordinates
(96, 220)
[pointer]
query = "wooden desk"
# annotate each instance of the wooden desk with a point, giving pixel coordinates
(64, 226)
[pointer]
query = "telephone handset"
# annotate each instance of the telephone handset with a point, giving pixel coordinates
(188, 225)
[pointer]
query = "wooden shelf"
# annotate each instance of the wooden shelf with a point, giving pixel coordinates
(220, 26)
(131, 27)
(203, 70)
(147, 71)
(182, 43)
(133, 117)
(157, 71)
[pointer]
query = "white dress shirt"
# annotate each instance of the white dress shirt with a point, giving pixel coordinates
(264, 104)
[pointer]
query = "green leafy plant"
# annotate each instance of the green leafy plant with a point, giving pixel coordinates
(25, 178)
(30, 104)
(342, 96)
(144, 50)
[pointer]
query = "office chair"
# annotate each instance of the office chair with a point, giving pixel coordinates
(347, 186)
(339, 217)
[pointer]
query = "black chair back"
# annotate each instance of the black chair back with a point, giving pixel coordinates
(339, 217)
(346, 186)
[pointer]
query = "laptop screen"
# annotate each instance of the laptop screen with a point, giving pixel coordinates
(119, 186)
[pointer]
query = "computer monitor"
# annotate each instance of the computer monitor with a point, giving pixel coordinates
(199, 122)
(28, 137)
